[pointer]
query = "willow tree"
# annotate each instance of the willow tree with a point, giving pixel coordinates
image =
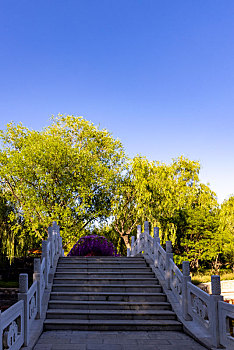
(171, 197)
(67, 172)
(226, 232)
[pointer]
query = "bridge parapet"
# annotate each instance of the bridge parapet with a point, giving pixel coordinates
(17, 321)
(199, 311)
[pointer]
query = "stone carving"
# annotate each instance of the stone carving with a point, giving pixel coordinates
(231, 326)
(161, 262)
(32, 306)
(10, 335)
(176, 284)
(200, 308)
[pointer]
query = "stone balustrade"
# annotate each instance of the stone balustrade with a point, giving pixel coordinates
(214, 317)
(16, 321)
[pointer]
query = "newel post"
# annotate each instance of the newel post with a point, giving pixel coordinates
(132, 245)
(169, 255)
(45, 254)
(51, 239)
(23, 295)
(156, 243)
(139, 248)
(186, 279)
(37, 277)
(55, 230)
(215, 298)
(146, 234)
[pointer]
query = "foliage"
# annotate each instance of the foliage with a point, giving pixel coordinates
(73, 173)
(67, 173)
(226, 232)
(93, 246)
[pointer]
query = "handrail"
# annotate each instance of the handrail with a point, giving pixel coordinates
(16, 321)
(214, 316)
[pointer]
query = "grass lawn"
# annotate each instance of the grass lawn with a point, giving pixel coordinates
(204, 276)
(9, 284)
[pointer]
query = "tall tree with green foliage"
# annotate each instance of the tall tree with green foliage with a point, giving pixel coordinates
(226, 232)
(170, 196)
(67, 172)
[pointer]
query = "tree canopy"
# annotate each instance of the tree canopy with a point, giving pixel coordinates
(78, 175)
(67, 172)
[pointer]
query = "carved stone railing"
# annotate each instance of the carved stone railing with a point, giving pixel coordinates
(226, 324)
(196, 307)
(16, 321)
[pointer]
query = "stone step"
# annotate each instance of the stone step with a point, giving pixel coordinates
(101, 258)
(108, 305)
(102, 266)
(101, 281)
(101, 274)
(107, 288)
(110, 314)
(108, 296)
(102, 262)
(104, 269)
(112, 325)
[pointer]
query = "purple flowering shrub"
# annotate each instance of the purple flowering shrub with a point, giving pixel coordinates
(93, 246)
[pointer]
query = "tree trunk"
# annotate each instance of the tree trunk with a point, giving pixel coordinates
(126, 241)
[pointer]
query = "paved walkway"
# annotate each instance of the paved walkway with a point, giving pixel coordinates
(79, 340)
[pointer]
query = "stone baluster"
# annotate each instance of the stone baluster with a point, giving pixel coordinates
(185, 280)
(50, 238)
(128, 252)
(156, 243)
(215, 298)
(169, 255)
(45, 254)
(23, 295)
(139, 248)
(37, 277)
(132, 245)
(55, 236)
(146, 234)
(138, 231)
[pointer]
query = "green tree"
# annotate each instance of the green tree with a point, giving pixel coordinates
(226, 232)
(67, 172)
(171, 197)
(198, 231)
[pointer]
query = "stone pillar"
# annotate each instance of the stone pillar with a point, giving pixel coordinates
(45, 254)
(51, 239)
(215, 298)
(169, 255)
(23, 295)
(156, 243)
(37, 277)
(132, 245)
(56, 235)
(23, 283)
(138, 231)
(146, 234)
(185, 280)
(139, 248)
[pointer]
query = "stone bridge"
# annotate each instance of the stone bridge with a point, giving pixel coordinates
(142, 301)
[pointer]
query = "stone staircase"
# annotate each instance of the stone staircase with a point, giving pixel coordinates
(108, 294)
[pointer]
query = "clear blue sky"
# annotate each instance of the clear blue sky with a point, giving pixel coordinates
(159, 74)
